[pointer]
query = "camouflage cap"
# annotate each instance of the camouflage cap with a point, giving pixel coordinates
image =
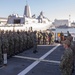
(66, 42)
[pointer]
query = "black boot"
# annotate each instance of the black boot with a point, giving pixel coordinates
(35, 51)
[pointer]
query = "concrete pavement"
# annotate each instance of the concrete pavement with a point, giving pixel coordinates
(44, 62)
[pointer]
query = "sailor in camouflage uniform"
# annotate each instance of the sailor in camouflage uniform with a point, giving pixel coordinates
(72, 46)
(24, 40)
(49, 37)
(11, 43)
(16, 42)
(34, 42)
(61, 37)
(1, 59)
(39, 37)
(44, 37)
(66, 64)
(28, 39)
(70, 38)
(5, 43)
(20, 41)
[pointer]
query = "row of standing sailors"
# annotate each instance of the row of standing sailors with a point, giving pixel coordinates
(45, 37)
(12, 42)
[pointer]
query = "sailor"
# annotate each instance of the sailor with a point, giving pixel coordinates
(72, 46)
(52, 38)
(1, 59)
(66, 64)
(11, 43)
(7, 40)
(20, 40)
(34, 42)
(28, 39)
(40, 37)
(61, 37)
(24, 40)
(44, 37)
(49, 37)
(16, 42)
(70, 38)
(68, 34)
(5, 46)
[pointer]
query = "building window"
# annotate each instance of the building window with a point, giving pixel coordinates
(17, 21)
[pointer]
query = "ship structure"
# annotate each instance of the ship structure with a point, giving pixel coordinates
(28, 21)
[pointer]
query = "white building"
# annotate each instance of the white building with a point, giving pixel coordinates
(3, 20)
(60, 22)
(73, 24)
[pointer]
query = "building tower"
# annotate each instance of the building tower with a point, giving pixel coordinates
(69, 20)
(27, 11)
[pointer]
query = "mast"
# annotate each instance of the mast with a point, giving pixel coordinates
(27, 10)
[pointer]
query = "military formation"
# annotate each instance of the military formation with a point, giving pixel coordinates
(67, 59)
(14, 42)
(45, 37)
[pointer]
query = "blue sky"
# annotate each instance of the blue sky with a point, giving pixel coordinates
(53, 9)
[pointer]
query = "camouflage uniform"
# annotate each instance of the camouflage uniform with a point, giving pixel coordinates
(28, 40)
(1, 60)
(7, 40)
(31, 41)
(70, 38)
(61, 37)
(16, 42)
(72, 46)
(39, 37)
(2, 34)
(1, 44)
(24, 40)
(20, 41)
(11, 43)
(52, 39)
(49, 37)
(66, 64)
(34, 42)
(5, 44)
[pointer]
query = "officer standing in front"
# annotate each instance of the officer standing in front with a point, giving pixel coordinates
(66, 64)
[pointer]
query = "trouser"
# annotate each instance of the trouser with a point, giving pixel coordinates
(67, 72)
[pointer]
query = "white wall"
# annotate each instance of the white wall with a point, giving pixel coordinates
(60, 22)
